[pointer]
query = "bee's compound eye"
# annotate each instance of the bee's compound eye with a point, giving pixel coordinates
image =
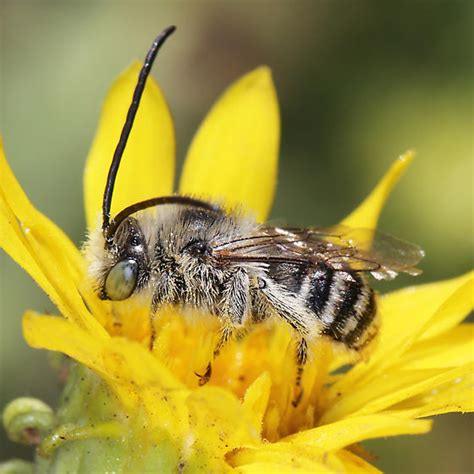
(121, 280)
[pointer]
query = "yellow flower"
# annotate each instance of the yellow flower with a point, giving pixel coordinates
(144, 409)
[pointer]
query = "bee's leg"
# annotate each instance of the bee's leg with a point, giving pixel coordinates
(204, 378)
(235, 306)
(293, 315)
(155, 306)
(152, 329)
(301, 358)
(225, 334)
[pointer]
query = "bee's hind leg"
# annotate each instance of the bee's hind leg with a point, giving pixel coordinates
(301, 358)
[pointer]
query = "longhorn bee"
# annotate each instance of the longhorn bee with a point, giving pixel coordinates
(189, 252)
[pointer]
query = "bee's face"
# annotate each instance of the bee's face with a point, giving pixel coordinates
(127, 262)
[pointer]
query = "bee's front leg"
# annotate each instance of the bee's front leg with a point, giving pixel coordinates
(157, 301)
(153, 311)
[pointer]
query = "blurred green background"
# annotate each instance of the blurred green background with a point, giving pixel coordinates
(359, 82)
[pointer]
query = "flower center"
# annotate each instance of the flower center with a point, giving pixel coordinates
(185, 343)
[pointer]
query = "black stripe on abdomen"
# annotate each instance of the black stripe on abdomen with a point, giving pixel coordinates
(355, 338)
(320, 289)
(346, 308)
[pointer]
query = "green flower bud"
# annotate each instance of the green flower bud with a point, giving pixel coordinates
(26, 420)
(16, 466)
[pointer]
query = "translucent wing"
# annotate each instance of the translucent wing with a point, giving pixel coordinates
(339, 247)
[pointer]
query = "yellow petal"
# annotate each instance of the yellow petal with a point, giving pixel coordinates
(354, 464)
(454, 310)
(318, 449)
(256, 400)
(133, 361)
(234, 155)
(289, 468)
(44, 251)
(57, 334)
(135, 375)
(147, 167)
(406, 316)
(408, 313)
(218, 420)
(366, 215)
(450, 349)
(279, 457)
(456, 395)
(389, 389)
(345, 432)
(140, 379)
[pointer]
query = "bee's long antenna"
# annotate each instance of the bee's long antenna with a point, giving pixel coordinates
(127, 128)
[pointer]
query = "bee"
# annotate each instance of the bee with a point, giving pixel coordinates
(185, 251)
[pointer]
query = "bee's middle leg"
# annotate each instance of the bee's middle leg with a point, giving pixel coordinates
(235, 306)
(225, 335)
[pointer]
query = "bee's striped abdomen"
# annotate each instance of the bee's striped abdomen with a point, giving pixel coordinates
(344, 304)
(320, 287)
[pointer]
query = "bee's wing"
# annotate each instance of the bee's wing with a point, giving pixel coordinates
(339, 247)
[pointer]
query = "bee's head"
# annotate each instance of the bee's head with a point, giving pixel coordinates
(118, 265)
(117, 254)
